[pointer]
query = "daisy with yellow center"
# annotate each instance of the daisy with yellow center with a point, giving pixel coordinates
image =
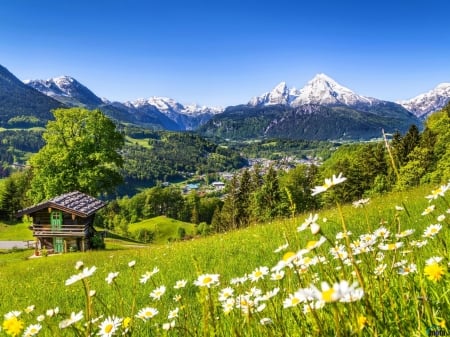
(158, 293)
(258, 273)
(109, 326)
(432, 230)
(328, 183)
(147, 313)
(207, 280)
(32, 330)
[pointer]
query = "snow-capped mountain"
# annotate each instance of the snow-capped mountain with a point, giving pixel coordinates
(429, 102)
(169, 106)
(189, 117)
(67, 90)
(321, 90)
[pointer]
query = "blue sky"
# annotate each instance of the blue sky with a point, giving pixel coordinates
(224, 52)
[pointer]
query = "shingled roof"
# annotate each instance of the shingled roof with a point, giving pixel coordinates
(73, 202)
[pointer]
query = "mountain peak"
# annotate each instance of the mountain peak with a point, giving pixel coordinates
(429, 102)
(322, 90)
(67, 90)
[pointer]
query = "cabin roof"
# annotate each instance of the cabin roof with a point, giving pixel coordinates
(75, 202)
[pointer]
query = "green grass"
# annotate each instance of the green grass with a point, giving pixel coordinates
(165, 228)
(392, 305)
(15, 232)
(142, 142)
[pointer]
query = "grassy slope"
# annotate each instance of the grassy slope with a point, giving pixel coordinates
(230, 255)
(164, 228)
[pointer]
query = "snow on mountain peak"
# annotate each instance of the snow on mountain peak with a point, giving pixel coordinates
(170, 106)
(429, 102)
(322, 90)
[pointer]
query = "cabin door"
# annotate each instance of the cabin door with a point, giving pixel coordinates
(56, 224)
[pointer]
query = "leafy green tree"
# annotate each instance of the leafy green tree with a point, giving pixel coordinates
(81, 153)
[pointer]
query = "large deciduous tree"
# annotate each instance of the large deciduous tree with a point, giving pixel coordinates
(81, 153)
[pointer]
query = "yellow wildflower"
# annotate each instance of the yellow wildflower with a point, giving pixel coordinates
(434, 272)
(13, 326)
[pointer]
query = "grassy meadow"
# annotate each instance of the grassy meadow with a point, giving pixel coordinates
(294, 277)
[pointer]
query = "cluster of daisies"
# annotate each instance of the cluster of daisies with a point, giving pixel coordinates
(250, 295)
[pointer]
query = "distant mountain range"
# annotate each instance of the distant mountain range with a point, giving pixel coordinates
(323, 108)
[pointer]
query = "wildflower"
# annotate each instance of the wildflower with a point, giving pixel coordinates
(360, 203)
(87, 272)
(404, 234)
(109, 326)
(258, 274)
(390, 246)
(74, 317)
(265, 321)
(228, 305)
(32, 330)
(177, 298)
(180, 284)
(12, 314)
(12, 325)
(315, 228)
(327, 293)
(40, 318)
(328, 183)
(29, 309)
(432, 230)
(79, 265)
(148, 274)
(379, 257)
(382, 232)
(147, 313)
(428, 210)
(271, 293)
(168, 326)
(315, 244)
(362, 322)
(342, 235)
(293, 300)
(207, 280)
(173, 313)
(441, 218)
(281, 248)
(92, 293)
(434, 272)
(433, 259)
(399, 208)
(439, 192)
(311, 220)
(239, 280)
(277, 275)
(225, 294)
(52, 312)
(339, 252)
(405, 270)
(158, 292)
(418, 244)
(111, 276)
(380, 269)
(131, 264)
(349, 292)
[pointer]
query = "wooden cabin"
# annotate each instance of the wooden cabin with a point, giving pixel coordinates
(64, 223)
